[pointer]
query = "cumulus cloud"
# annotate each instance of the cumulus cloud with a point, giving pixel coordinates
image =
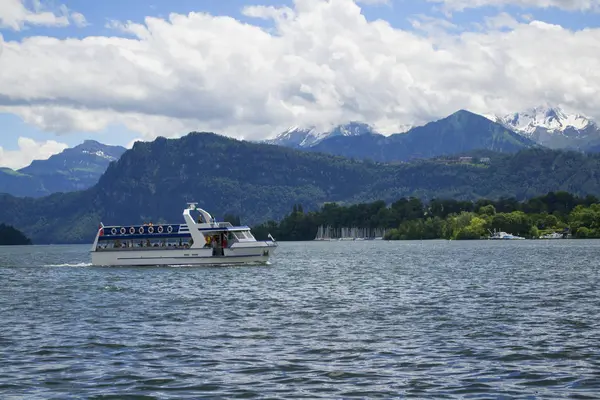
(319, 63)
(16, 14)
(502, 20)
(571, 5)
(374, 2)
(79, 19)
(28, 151)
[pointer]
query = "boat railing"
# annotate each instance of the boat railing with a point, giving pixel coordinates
(224, 225)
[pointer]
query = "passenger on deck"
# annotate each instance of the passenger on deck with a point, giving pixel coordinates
(214, 245)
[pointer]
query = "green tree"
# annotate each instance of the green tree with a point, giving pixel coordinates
(9, 236)
(488, 210)
(516, 222)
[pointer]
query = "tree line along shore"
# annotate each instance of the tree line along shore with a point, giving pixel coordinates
(9, 236)
(413, 219)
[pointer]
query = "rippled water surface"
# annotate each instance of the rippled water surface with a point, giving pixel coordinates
(324, 320)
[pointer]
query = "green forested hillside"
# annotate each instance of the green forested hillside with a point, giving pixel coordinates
(258, 182)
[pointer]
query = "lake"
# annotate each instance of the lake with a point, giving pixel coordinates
(372, 319)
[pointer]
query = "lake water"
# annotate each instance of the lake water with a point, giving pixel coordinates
(325, 320)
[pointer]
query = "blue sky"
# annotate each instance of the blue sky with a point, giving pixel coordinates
(398, 13)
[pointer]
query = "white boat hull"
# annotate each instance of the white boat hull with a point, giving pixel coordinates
(153, 257)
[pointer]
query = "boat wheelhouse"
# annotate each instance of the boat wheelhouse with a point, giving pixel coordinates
(201, 241)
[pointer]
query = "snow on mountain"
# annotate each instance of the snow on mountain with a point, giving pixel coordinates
(75, 168)
(298, 137)
(548, 126)
(101, 154)
(308, 137)
(552, 127)
(552, 120)
(88, 156)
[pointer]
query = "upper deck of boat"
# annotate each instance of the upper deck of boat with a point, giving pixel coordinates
(148, 231)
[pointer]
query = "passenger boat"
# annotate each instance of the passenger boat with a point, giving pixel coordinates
(197, 242)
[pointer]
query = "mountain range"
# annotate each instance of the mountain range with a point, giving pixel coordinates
(460, 133)
(154, 180)
(73, 169)
(544, 126)
(553, 128)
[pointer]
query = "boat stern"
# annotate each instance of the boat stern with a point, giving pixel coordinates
(98, 234)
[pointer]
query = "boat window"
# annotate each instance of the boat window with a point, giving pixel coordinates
(240, 235)
(243, 235)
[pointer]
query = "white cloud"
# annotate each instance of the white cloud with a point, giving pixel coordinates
(432, 25)
(28, 151)
(502, 20)
(132, 142)
(266, 12)
(16, 14)
(374, 2)
(571, 5)
(320, 63)
(79, 19)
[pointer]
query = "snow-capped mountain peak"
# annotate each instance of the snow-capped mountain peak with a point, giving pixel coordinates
(307, 137)
(296, 136)
(550, 119)
(552, 127)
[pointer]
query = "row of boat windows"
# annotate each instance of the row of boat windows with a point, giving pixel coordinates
(181, 243)
(146, 229)
(155, 243)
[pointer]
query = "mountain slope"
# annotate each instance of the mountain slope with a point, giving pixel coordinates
(73, 169)
(153, 181)
(297, 137)
(553, 128)
(461, 132)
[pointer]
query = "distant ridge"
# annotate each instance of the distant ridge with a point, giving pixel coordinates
(542, 126)
(460, 132)
(73, 169)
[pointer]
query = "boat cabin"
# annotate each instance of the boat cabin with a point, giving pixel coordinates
(206, 233)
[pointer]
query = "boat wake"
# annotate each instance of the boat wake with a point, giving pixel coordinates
(69, 265)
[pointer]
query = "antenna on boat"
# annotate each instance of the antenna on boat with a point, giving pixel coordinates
(192, 206)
